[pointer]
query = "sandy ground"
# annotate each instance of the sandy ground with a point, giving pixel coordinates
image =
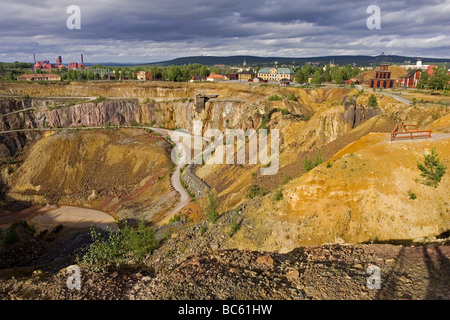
(74, 218)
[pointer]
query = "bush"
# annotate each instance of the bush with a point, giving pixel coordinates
(373, 103)
(235, 226)
(202, 229)
(286, 179)
(432, 169)
(113, 251)
(291, 97)
(274, 98)
(211, 210)
(412, 195)
(278, 195)
(140, 242)
(307, 164)
(176, 217)
(255, 191)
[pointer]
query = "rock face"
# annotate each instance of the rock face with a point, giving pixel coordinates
(195, 185)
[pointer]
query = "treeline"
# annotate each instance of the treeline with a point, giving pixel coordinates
(11, 70)
(319, 74)
(438, 81)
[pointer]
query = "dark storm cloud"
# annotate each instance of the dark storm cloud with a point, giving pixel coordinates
(158, 29)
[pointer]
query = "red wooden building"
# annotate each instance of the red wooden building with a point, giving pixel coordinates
(382, 78)
(411, 79)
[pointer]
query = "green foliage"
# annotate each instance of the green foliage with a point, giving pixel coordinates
(11, 236)
(414, 101)
(235, 226)
(211, 210)
(278, 195)
(432, 169)
(372, 103)
(307, 164)
(104, 253)
(140, 242)
(286, 179)
(291, 97)
(176, 217)
(114, 250)
(264, 121)
(412, 195)
(286, 111)
(203, 229)
(329, 165)
(316, 78)
(255, 191)
(318, 158)
(274, 98)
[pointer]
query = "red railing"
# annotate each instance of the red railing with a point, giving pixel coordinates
(405, 134)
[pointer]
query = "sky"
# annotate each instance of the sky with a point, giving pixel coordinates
(142, 31)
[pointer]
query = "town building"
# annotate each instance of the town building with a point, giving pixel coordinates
(351, 81)
(214, 77)
(245, 75)
(276, 74)
(411, 79)
(420, 66)
(197, 78)
(39, 77)
(382, 78)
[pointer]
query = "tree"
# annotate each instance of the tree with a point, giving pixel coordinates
(316, 78)
(373, 103)
(439, 80)
(423, 80)
(338, 76)
(432, 169)
(211, 210)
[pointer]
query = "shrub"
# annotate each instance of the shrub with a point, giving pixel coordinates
(202, 229)
(285, 111)
(286, 179)
(104, 253)
(292, 97)
(274, 98)
(211, 210)
(113, 251)
(255, 191)
(235, 226)
(278, 195)
(432, 169)
(329, 165)
(318, 159)
(412, 195)
(140, 242)
(373, 103)
(307, 164)
(176, 217)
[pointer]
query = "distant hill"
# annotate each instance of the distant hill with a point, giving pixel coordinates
(341, 60)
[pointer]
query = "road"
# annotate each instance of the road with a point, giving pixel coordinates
(396, 97)
(181, 148)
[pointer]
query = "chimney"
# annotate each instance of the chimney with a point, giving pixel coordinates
(82, 60)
